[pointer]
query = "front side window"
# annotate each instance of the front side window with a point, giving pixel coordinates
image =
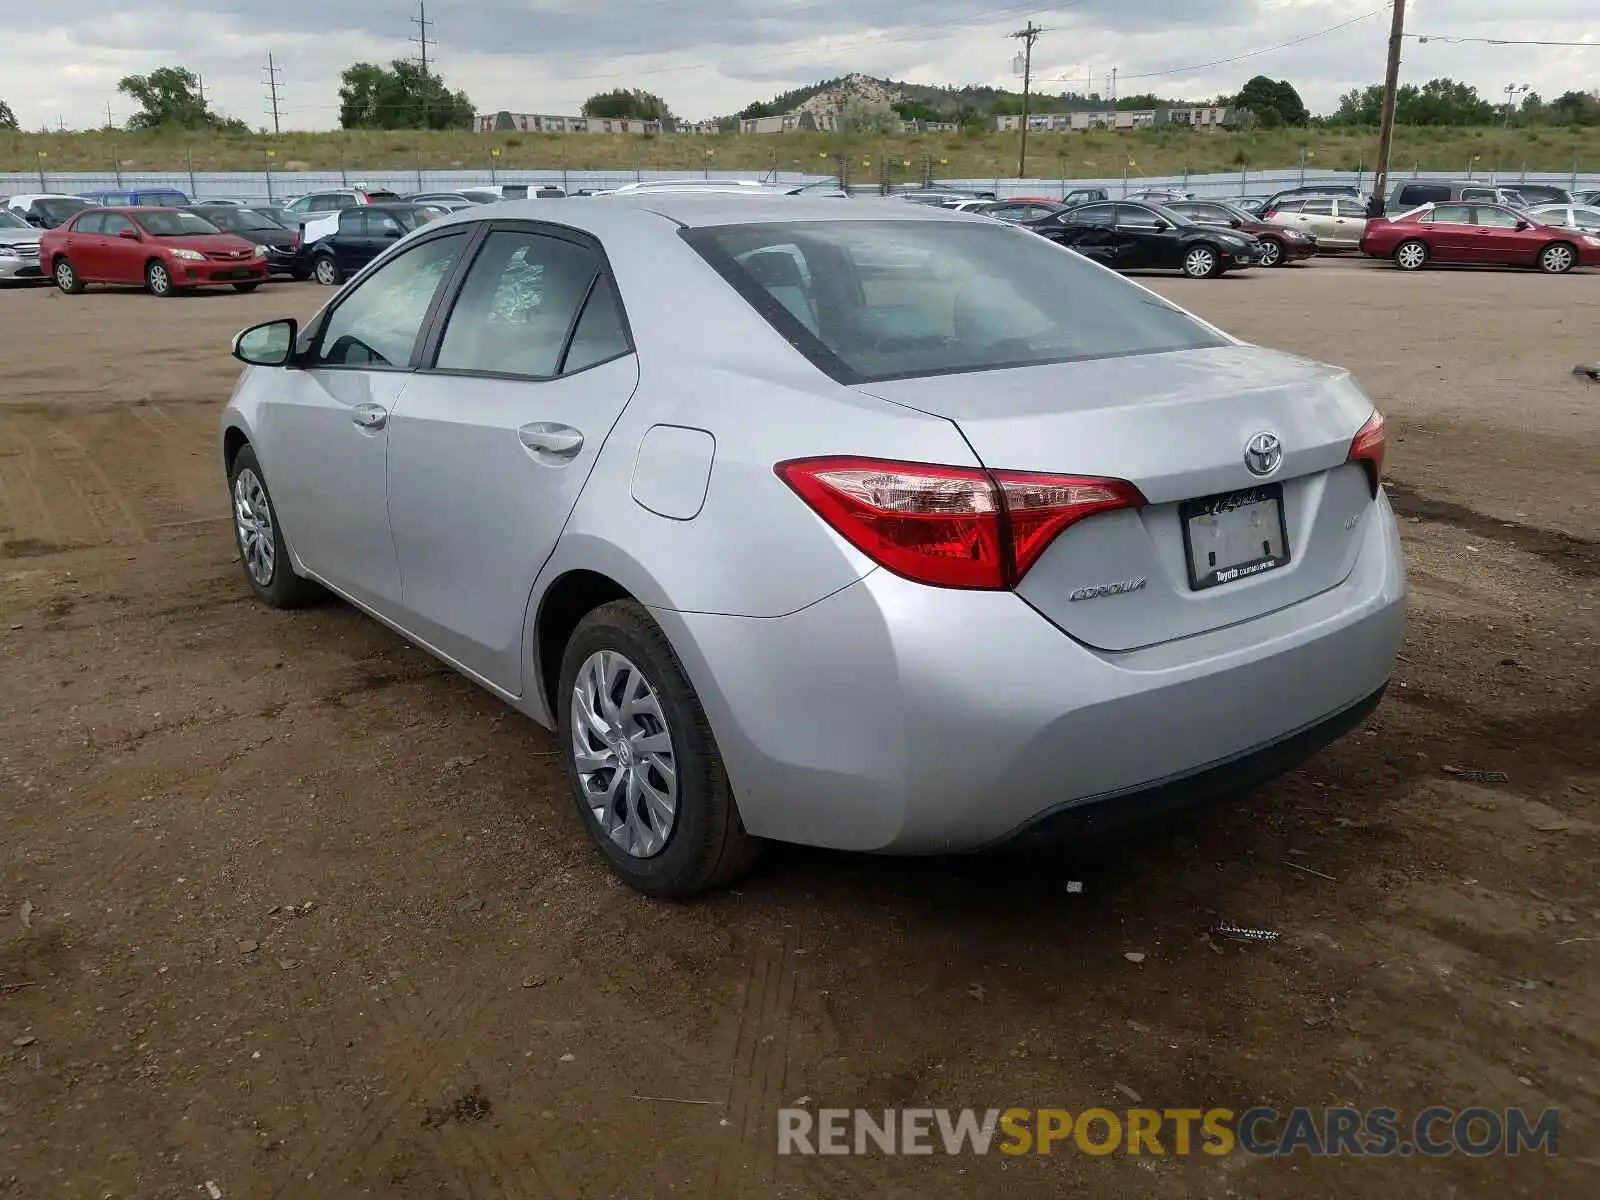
(90, 223)
(382, 224)
(1132, 216)
(1317, 208)
(353, 224)
(1496, 218)
(518, 305)
(896, 299)
(377, 323)
(112, 224)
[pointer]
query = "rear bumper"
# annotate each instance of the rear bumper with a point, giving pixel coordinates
(901, 718)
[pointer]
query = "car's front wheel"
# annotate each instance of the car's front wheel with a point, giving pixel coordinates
(1201, 262)
(158, 280)
(262, 549)
(1271, 252)
(640, 758)
(1411, 255)
(67, 277)
(1557, 258)
(326, 271)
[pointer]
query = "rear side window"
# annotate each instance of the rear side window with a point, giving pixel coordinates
(874, 300)
(1317, 208)
(518, 305)
(1422, 193)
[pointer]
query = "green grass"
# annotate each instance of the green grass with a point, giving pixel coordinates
(1093, 154)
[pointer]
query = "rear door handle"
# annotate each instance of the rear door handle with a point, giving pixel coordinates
(551, 437)
(370, 416)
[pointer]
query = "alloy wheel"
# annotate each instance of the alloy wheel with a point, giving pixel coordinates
(252, 518)
(1271, 252)
(1556, 258)
(1411, 255)
(326, 273)
(622, 751)
(1199, 263)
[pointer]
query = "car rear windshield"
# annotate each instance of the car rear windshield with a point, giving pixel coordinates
(875, 300)
(174, 224)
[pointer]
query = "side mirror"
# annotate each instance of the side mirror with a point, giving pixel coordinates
(391, 234)
(35, 220)
(131, 234)
(1235, 223)
(1160, 224)
(270, 344)
(1522, 225)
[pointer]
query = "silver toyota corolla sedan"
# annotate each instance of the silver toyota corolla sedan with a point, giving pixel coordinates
(876, 526)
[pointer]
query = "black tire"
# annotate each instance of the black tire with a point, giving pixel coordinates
(1406, 256)
(707, 845)
(300, 275)
(325, 269)
(282, 587)
(246, 288)
(158, 279)
(1558, 258)
(1271, 252)
(66, 277)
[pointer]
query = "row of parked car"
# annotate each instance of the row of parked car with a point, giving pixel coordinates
(1434, 222)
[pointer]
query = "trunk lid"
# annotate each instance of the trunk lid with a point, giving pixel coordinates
(1177, 426)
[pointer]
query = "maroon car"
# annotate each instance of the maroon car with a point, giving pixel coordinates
(164, 249)
(1278, 244)
(1481, 233)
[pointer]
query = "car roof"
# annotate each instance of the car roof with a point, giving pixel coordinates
(697, 210)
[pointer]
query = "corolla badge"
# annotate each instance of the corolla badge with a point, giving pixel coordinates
(1121, 588)
(1263, 454)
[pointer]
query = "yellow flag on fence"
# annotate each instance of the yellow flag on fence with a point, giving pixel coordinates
(1132, 166)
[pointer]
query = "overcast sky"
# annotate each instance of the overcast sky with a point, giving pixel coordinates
(710, 57)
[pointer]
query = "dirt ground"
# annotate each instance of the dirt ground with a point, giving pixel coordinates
(288, 909)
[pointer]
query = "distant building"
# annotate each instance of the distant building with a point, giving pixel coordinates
(1205, 116)
(801, 120)
(510, 122)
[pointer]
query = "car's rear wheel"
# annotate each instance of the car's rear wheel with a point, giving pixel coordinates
(326, 271)
(641, 760)
(1411, 255)
(246, 287)
(1201, 262)
(1271, 252)
(158, 280)
(262, 550)
(67, 278)
(1557, 258)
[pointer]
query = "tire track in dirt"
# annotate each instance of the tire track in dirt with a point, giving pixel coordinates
(25, 518)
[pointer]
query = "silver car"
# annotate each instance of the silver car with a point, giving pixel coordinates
(19, 248)
(1337, 222)
(1570, 216)
(871, 526)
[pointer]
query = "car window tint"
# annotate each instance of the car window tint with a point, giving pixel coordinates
(898, 299)
(517, 305)
(1452, 214)
(599, 335)
(1496, 218)
(1094, 214)
(377, 323)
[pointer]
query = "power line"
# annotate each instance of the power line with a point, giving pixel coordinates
(273, 70)
(1222, 62)
(1487, 41)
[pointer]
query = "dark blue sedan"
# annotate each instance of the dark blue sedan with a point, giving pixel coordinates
(364, 232)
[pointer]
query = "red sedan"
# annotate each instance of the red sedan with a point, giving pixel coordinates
(164, 249)
(1490, 234)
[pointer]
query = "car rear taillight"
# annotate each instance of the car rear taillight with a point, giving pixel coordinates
(1367, 449)
(957, 527)
(294, 243)
(1269, 214)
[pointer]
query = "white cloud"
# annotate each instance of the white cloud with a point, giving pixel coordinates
(712, 58)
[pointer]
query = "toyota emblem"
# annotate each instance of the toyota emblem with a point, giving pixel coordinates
(1263, 454)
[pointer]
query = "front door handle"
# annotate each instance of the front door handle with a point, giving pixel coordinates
(370, 416)
(550, 437)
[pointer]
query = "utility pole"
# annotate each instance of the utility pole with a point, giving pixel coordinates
(110, 124)
(272, 89)
(200, 87)
(1391, 88)
(1027, 37)
(421, 22)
